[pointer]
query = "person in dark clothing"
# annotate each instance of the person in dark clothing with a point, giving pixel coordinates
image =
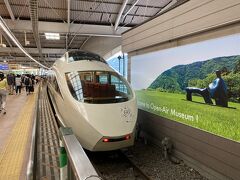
(28, 83)
(217, 90)
(32, 83)
(18, 83)
(11, 83)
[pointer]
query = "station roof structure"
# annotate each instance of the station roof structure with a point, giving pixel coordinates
(77, 24)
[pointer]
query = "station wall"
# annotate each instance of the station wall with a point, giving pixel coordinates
(188, 20)
(101, 45)
(213, 156)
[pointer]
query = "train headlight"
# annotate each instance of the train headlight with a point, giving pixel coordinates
(105, 140)
(126, 137)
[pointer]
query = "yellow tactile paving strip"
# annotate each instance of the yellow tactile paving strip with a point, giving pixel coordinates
(12, 155)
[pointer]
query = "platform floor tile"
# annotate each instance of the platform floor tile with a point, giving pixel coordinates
(13, 153)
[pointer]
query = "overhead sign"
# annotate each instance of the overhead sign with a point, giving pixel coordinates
(13, 66)
(4, 67)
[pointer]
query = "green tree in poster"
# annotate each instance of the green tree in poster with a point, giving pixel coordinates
(237, 67)
(177, 78)
(233, 82)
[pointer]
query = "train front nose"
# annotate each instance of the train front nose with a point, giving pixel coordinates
(115, 124)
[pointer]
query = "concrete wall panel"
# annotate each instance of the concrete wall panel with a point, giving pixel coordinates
(215, 153)
(102, 45)
(191, 18)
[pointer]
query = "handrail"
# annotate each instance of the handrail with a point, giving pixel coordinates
(79, 162)
(30, 166)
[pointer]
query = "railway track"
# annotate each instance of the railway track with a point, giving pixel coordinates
(143, 162)
(116, 165)
(138, 171)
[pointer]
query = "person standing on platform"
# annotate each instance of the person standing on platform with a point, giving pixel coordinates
(28, 83)
(10, 82)
(33, 83)
(3, 93)
(18, 83)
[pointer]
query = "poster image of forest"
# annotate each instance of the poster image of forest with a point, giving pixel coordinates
(201, 74)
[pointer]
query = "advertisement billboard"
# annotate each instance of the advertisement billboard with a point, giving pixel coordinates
(196, 84)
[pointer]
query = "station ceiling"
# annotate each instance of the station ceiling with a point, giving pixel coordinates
(80, 23)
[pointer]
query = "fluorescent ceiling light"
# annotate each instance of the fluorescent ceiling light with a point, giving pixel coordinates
(52, 36)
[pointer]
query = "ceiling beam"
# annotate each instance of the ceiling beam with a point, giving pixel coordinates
(84, 42)
(120, 14)
(16, 42)
(99, 12)
(68, 21)
(33, 9)
(6, 38)
(33, 50)
(68, 16)
(94, 30)
(169, 5)
(118, 3)
(9, 10)
(26, 59)
(133, 5)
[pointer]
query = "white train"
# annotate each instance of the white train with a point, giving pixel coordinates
(94, 100)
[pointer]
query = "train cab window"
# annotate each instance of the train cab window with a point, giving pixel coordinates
(83, 55)
(102, 77)
(87, 77)
(98, 87)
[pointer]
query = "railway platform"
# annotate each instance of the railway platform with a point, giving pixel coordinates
(15, 132)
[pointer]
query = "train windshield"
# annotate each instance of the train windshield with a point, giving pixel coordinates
(83, 55)
(98, 87)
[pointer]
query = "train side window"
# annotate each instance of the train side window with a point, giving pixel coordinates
(120, 86)
(75, 85)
